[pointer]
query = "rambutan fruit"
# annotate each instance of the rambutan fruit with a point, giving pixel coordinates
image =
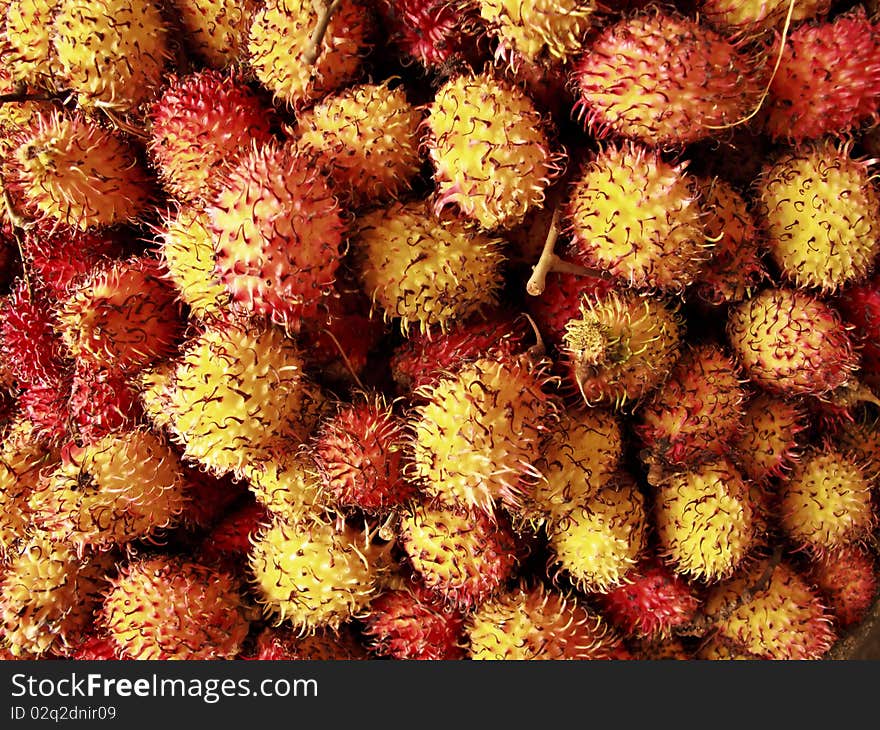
(234, 391)
(101, 402)
(111, 53)
(217, 30)
(490, 150)
(47, 596)
(169, 607)
(476, 434)
(429, 32)
(45, 406)
(860, 439)
(231, 538)
(409, 623)
(123, 487)
(284, 59)
(637, 217)
(287, 483)
(791, 342)
(281, 643)
(199, 125)
(93, 648)
(697, 412)
(311, 574)
(704, 520)
(423, 359)
(821, 215)
(754, 16)
(561, 301)
(580, 456)
(539, 30)
(769, 442)
(828, 79)
(187, 251)
(826, 501)
(208, 499)
(278, 231)
(783, 619)
(860, 306)
(622, 345)
(596, 543)
(735, 269)
(669, 649)
(369, 136)
(123, 316)
(29, 343)
(847, 579)
(59, 259)
(27, 39)
(461, 556)
(535, 623)
(359, 452)
(426, 270)
(703, 83)
(21, 468)
(70, 170)
(651, 603)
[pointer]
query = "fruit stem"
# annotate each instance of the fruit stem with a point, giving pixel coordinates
(549, 261)
(325, 13)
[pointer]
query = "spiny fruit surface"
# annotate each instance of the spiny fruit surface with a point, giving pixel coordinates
(859, 438)
(490, 150)
(828, 80)
(534, 623)
(860, 306)
(651, 603)
(821, 214)
(101, 402)
(637, 217)
(476, 437)
(549, 30)
(312, 574)
(735, 268)
(621, 346)
(123, 316)
(73, 171)
(847, 579)
(409, 623)
(287, 483)
(463, 557)
(47, 596)
(187, 250)
(753, 16)
(168, 607)
(26, 37)
(697, 412)
(112, 53)
(826, 501)
(769, 443)
(597, 543)
(580, 456)
(282, 643)
(704, 520)
(234, 390)
(784, 620)
(791, 342)
(21, 467)
(368, 135)
(217, 29)
(429, 32)
(359, 453)
(704, 82)
(123, 487)
(278, 41)
(425, 269)
(199, 125)
(278, 233)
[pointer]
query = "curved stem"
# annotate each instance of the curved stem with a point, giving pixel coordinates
(549, 261)
(325, 13)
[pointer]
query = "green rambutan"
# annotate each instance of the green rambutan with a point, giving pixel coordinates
(821, 215)
(490, 150)
(637, 217)
(169, 607)
(534, 623)
(791, 342)
(423, 269)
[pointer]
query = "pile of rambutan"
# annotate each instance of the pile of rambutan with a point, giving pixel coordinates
(427, 330)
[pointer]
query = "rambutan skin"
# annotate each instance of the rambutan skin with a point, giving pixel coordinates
(847, 579)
